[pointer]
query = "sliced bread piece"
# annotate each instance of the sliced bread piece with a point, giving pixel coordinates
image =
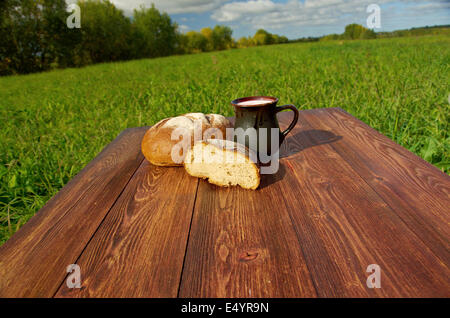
(223, 163)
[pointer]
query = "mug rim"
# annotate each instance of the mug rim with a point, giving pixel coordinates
(236, 101)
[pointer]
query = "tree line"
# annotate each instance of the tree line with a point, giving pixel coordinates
(352, 32)
(35, 36)
(358, 32)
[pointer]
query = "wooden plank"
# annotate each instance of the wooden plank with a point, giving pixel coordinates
(417, 191)
(33, 261)
(343, 226)
(138, 250)
(242, 244)
(345, 197)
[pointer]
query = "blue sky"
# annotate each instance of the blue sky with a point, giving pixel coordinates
(295, 18)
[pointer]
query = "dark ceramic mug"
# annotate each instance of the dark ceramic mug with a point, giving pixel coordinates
(261, 112)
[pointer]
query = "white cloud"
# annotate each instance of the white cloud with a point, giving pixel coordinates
(321, 3)
(184, 28)
(170, 6)
(236, 10)
(274, 15)
(299, 17)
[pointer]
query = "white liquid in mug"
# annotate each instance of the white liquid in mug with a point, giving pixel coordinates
(255, 102)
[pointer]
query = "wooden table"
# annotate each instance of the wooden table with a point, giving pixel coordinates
(345, 197)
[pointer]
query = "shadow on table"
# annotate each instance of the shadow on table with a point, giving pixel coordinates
(268, 179)
(293, 145)
(306, 139)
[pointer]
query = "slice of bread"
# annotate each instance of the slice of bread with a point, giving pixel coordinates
(224, 163)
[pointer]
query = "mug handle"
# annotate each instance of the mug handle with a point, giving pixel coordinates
(293, 123)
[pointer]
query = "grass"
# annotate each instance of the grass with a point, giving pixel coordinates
(54, 123)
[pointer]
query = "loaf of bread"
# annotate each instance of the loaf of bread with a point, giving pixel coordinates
(157, 144)
(223, 163)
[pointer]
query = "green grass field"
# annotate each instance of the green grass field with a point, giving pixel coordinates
(54, 123)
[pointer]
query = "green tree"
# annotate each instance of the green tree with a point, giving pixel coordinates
(33, 35)
(208, 34)
(154, 34)
(222, 37)
(105, 32)
(330, 37)
(369, 34)
(283, 39)
(196, 42)
(245, 42)
(262, 37)
(242, 42)
(10, 56)
(181, 43)
(356, 31)
(60, 41)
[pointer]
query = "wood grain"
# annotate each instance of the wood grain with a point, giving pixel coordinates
(242, 244)
(139, 248)
(344, 225)
(33, 261)
(417, 191)
(344, 197)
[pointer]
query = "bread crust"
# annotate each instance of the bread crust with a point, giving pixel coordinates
(157, 145)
